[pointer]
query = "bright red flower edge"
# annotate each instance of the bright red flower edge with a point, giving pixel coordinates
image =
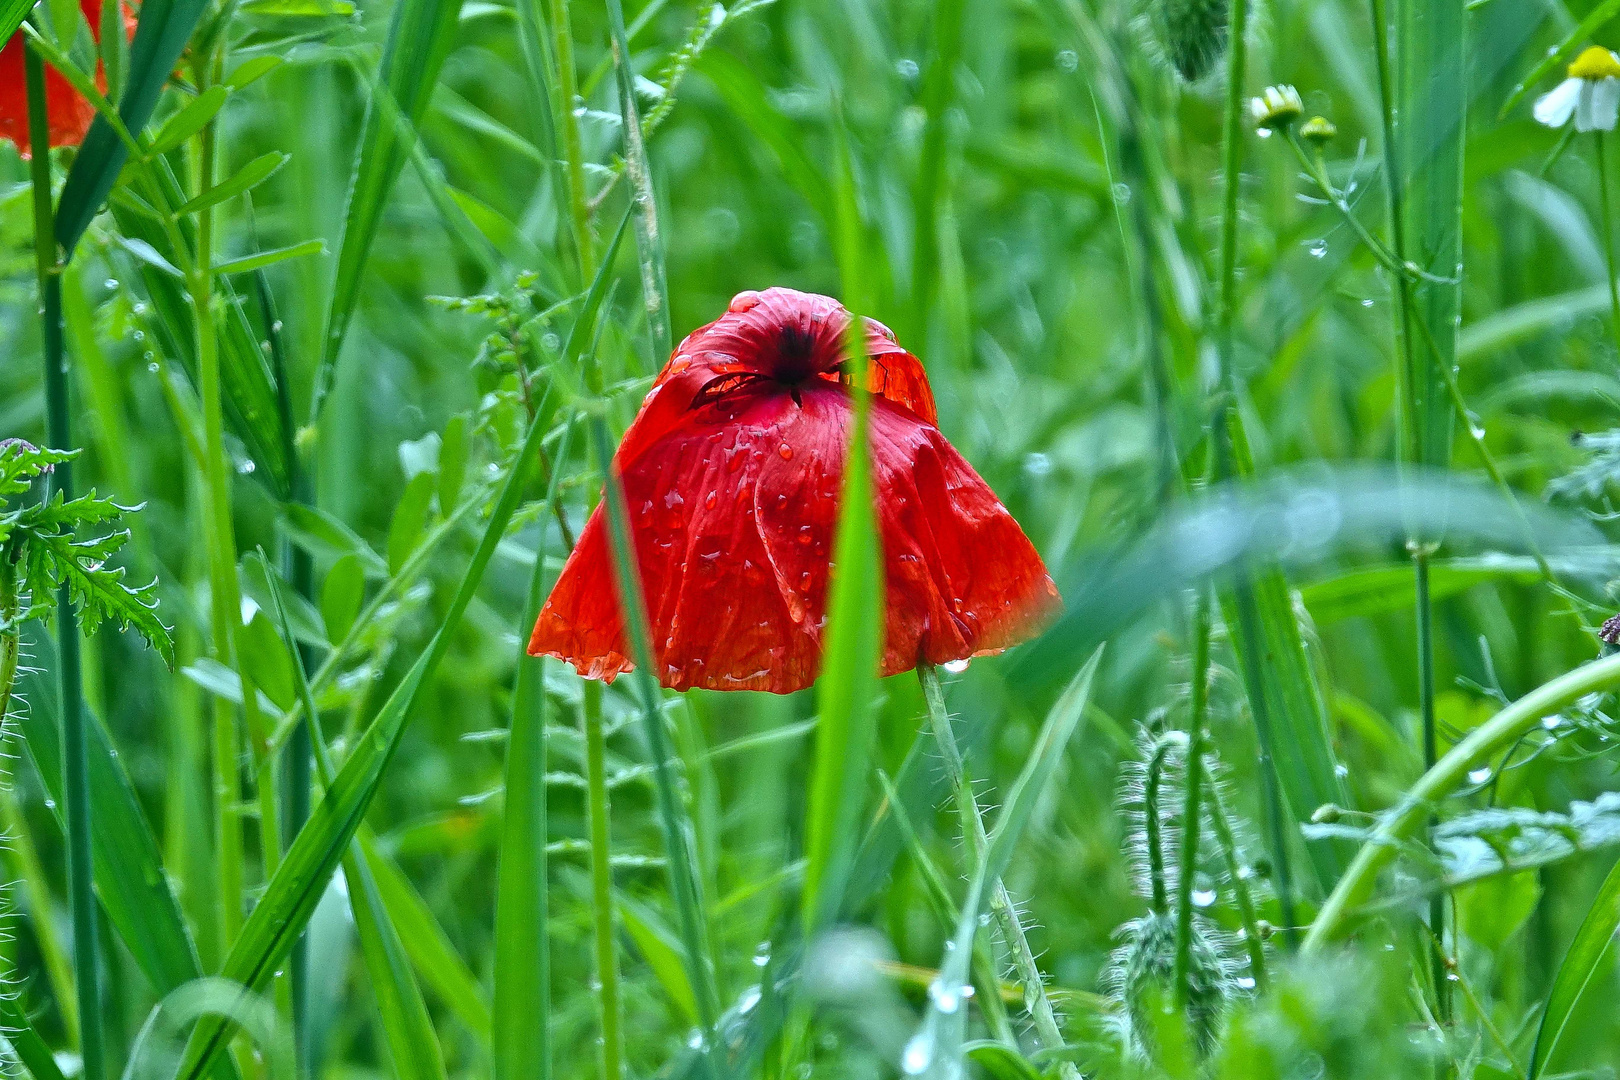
(69, 113)
(732, 472)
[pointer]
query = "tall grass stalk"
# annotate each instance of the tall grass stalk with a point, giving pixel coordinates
(1606, 226)
(602, 910)
(567, 83)
(677, 840)
(1221, 462)
(59, 434)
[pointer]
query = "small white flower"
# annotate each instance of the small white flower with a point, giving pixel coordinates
(1591, 94)
(1277, 107)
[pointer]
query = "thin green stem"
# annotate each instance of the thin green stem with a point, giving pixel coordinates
(1226, 838)
(1191, 813)
(1607, 228)
(682, 882)
(1153, 832)
(602, 917)
(59, 435)
(579, 214)
(1425, 643)
(1036, 1001)
(1444, 777)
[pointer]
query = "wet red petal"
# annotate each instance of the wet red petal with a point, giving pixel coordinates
(784, 333)
(70, 114)
(734, 505)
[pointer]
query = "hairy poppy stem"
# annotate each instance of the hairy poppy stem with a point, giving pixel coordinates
(1191, 814)
(1036, 1001)
(596, 813)
(59, 434)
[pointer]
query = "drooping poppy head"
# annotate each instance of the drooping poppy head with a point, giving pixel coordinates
(70, 114)
(732, 472)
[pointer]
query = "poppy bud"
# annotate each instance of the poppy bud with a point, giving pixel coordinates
(1192, 34)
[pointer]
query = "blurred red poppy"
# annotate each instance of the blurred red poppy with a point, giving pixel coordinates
(70, 114)
(732, 472)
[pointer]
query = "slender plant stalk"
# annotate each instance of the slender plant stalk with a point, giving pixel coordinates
(59, 434)
(1191, 814)
(1226, 839)
(602, 917)
(579, 214)
(1221, 461)
(682, 881)
(1446, 776)
(1152, 829)
(1036, 1001)
(1604, 214)
(1413, 443)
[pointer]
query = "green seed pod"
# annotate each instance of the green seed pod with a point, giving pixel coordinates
(1192, 33)
(1144, 974)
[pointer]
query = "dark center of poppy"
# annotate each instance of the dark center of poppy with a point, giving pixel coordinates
(795, 351)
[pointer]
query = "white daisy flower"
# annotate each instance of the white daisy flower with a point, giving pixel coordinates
(1591, 94)
(1277, 107)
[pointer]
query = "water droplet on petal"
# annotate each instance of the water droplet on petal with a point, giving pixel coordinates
(786, 451)
(956, 667)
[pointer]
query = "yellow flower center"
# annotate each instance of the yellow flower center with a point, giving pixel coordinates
(1595, 63)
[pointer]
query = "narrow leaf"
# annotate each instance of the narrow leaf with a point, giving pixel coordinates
(246, 178)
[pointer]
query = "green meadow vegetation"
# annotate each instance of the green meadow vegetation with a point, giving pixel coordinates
(1288, 330)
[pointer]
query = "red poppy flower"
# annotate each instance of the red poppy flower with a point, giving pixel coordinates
(70, 114)
(732, 472)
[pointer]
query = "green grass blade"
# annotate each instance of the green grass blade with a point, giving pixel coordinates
(290, 898)
(1285, 699)
(851, 663)
(161, 35)
(420, 36)
(425, 942)
(1577, 969)
(129, 874)
(251, 410)
(407, 1028)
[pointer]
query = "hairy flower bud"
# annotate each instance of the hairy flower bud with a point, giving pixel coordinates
(1192, 34)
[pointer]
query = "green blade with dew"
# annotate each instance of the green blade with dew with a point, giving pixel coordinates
(420, 36)
(937, 1048)
(852, 660)
(290, 898)
(251, 409)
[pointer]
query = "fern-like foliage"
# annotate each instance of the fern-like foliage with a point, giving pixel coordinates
(45, 544)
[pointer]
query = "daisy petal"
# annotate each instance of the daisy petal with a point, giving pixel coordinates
(1555, 107)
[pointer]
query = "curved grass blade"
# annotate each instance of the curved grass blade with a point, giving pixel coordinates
(420, 36)
(425, 943)
(1576, 970)
(161, 35)
(290, 898)
(407, 1028)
